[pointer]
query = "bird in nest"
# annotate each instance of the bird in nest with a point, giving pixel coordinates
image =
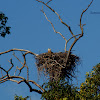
(49, 51)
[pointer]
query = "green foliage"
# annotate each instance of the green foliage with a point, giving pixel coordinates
(59, 90)
(90, 89)
(62, 90)
(3, 28)
(20, 98)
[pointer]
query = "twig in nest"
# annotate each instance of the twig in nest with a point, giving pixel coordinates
(55, 64)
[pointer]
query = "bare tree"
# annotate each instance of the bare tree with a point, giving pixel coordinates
(56, 62)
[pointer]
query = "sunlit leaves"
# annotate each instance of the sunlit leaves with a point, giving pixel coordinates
(90, 89)
(20, 98)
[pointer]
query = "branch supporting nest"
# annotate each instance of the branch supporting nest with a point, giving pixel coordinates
(56, 65)
(76, 37)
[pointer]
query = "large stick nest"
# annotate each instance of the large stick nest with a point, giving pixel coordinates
(56, 65)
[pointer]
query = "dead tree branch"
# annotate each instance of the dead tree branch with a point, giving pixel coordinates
(58, 17)
(49, 1)
(47, 56)
(14, 78)
(36, 84)
(11, 78)
(24, 65)
(53, 26)
(76, 37)
(81, 26)
(15, 49)
(61, 22)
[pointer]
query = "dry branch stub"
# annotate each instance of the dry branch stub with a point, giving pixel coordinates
(56, 66)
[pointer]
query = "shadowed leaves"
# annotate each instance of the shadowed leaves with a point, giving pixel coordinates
(3, 28)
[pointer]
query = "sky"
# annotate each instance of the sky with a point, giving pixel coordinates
(30, 30)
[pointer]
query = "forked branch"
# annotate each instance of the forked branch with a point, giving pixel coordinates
(58, 17)
(27, 81)
(76, 37)
(53, 26)
(81, 27)
(8, 77)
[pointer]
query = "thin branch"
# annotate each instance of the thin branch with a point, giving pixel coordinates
(11, 78)
(49, 1)
(35, 90)
(24, 65)
(23, 80)
(15, 49)
(36, 84)
(17, 58)
(5, 71)
(27, 72)
(53, 27)
(81, 26)
(3, 80)
(1, 73)
(73, 37)
(27, 82)
(20, 69)
(69, 40)
(58, 17)
(3, 77)
(11, 64)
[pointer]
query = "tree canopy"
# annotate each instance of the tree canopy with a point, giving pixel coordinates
(90, 89)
